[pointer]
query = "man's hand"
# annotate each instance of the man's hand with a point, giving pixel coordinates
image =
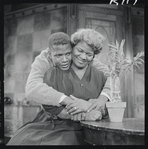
(92, 100)
(93, 115)
(64, 115)
(98, 104)
(67, 100)
(78, 105)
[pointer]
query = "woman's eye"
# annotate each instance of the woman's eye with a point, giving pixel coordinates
(80, 50)
(90, 55)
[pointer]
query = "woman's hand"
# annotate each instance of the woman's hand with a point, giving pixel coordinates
(78, 105)
(93, 115)
(78, 117)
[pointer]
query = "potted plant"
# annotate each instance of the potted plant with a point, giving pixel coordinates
(116, 65)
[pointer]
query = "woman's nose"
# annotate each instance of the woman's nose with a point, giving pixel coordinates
(83, 56)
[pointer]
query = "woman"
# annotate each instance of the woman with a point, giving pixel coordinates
(53, 125)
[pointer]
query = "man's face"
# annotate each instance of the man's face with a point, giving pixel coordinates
(82, 55)
(61, 56)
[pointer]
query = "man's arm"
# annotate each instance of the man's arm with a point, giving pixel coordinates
(64, 114)
(105, 93)
(104, 96)
(102, 67)
(38, 91)
(99, 103)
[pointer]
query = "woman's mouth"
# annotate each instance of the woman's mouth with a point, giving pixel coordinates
(81, 61)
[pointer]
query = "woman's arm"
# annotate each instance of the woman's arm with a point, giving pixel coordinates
(93, 115)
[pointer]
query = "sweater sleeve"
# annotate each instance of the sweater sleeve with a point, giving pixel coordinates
(35, 89)
(106, 89)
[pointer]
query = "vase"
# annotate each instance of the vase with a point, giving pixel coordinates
(116, 111)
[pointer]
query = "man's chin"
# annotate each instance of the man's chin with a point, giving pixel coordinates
(64, 68)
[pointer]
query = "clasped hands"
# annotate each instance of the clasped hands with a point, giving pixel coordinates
(80, 109)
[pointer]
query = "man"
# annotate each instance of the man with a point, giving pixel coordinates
(40, 92)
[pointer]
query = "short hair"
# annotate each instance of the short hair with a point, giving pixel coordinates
(59, 38)
(93, 38)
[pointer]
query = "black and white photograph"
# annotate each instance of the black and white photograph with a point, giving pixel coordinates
(73, 74)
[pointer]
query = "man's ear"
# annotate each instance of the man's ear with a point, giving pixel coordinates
(49, 56)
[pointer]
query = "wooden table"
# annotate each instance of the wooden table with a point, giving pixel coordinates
(129, 132)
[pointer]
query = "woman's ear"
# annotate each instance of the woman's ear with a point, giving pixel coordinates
(92, 59)
(93, 56)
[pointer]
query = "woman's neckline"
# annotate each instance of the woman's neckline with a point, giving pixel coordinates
(79, 72)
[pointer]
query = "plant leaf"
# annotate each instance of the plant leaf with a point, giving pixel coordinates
(121, 46)
(113, 45)
(117, 44)
(140, 59)
(137, 65)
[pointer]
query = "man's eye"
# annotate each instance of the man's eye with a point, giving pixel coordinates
(58, 56)
(68, 54)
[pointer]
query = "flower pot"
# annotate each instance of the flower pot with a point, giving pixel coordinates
(116, 111)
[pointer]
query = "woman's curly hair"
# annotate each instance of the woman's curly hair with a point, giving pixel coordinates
(93, 38)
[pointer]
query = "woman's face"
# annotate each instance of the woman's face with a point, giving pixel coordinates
(82, 55)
